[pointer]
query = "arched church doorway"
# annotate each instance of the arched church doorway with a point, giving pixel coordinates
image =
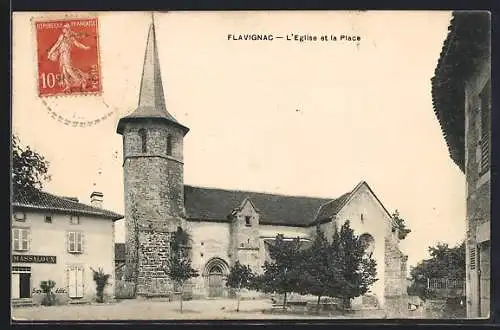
(216, 271)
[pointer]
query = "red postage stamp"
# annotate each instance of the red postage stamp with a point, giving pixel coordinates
(68, 56)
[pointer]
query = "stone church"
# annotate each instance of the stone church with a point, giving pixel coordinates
(226, 225)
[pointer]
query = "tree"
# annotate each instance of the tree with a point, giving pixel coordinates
(29, 169)
(47, 286)
(101, 280)
(340, 269)
(321, 271)
(282, 274)
(444, 263)
(240, 276)
(399, 224)
(358, 269)
(178, 265)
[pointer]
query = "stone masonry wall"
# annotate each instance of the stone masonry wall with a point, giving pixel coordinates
(396, 297)
(154, 200)
(154, 251)
(478, 196)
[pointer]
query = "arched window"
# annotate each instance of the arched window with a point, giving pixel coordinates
(143, 135)
(368, 242)
(169, 145)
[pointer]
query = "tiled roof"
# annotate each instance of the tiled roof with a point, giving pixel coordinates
(40, 200)
(303, 244)
(217, 204)
(465, 47)
(120, 252)
(331, 208)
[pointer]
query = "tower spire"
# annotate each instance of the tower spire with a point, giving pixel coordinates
(151, 93)
(151, 97)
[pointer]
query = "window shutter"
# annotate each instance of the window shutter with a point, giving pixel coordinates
(26, 239)
(15, 234)
(82, 242)
(71, 241)
(472, 259)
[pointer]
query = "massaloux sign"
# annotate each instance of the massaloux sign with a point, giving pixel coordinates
(28, 258)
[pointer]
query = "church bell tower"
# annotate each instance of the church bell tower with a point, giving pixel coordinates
(153, 178)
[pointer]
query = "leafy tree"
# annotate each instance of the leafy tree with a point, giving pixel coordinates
(178, 265)
(240, 276)
(399, 224)
(49, 298)
(283, 273)
(339, 269)
(101, 280)
(445, 263)
(321, 271)
(29, 169)
(358, 269)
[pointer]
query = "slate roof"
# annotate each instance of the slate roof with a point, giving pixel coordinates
(210, 204)
(40, 200)
(120, 252)
(151, 96)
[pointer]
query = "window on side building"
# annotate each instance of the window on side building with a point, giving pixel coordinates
(75, 242)
(20, 239)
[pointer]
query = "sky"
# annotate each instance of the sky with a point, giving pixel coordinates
(286, 117)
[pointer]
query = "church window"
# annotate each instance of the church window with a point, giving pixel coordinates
(362, 217)
(241, 244)
(248, 220)
(142, 134)
(368, 243)
(169, 145)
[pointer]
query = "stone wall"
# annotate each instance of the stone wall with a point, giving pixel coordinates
(395, 294)
(154, 201)
(478, 198)
(153, 254)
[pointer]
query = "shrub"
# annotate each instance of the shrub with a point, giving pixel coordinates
(101, 279)
(49, 299)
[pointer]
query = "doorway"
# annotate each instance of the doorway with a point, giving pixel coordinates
(75, 282)
(21, 282)
(215, 282)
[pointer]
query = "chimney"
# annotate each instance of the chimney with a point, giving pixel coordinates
(96, 199)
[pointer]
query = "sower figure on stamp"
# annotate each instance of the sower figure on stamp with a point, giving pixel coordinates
(70, 76)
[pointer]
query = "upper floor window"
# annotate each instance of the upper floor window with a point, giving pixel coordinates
(20, 216)
(74, 220)
(484, 138)
(143, 136)
(248, 220)
(75, 242)
(20, 239)
(169, 145)
(48, 219)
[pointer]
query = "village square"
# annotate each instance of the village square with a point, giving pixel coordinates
(197, 252)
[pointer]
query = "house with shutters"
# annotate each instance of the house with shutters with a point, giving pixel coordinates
(461, 92)
(60, 239)
(228, 225)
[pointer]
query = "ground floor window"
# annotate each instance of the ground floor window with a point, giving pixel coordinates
(21, 282)
(75, 281)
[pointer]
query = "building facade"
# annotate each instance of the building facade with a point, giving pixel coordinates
(462, 100)
(225, 225)
(59, 239)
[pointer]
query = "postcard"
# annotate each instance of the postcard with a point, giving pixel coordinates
(250, 165)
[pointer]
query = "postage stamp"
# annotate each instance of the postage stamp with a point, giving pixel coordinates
(68, 56)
